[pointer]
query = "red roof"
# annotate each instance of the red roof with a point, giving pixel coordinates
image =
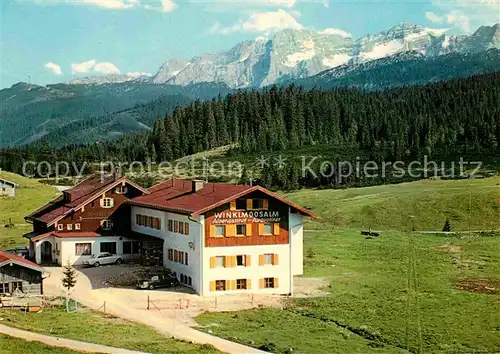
(177, 195)
(6, 258)
(79, 195)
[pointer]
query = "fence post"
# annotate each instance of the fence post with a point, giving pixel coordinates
(104, 306)
(216, 302)
(180, 303)
(148, 303)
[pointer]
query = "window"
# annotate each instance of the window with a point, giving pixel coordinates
(170, 225)
(268, 283)
(220, 285)
(69, 227)
(121, 189)
(268, 258)
(181, 257)
(268, 229)
(130, 247)
(176, 226)
(176, 256)
(138, 219)
(77, 226)
(17, 285)
(220, 262)
(241, 230)
(190, 281)
(109, 247)
(107, 202)
(257, 204)
(241, 204)
(107, 224)
(4, 288)
(83, 249)
(181, 227)
(186, 228)
(60, 227)
(220, 230)
(241, 284)
(240, 261)
(186, 258)
(170, 254)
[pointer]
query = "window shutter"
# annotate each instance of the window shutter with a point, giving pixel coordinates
(212, 285)
(233, 285)
(234, 261)
(261, 259)
(212, 230)
(276, 283)
(213, 262)
(265, 203)
(248, 260)
(227, 261)
(101, 202)
(228, 284)
(262, 283)
(276, 229)
(232, 205)
(248, 229)
(230, 230)
(249, 204)
(249, 284)
(275, 259)
(261, 229)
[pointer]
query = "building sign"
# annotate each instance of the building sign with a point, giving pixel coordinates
(246, 217)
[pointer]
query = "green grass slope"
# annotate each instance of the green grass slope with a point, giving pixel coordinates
(395, 293)
(473, 204)
(11, 345)
(29, 196)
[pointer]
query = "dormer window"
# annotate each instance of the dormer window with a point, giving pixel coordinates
(107, 203)
(241, 204)
(258, 204)
(121, 190)
(60, 227)
(107, 224)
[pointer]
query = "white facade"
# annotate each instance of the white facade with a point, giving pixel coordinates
(64, 249)
(199, 267)
(190, 244)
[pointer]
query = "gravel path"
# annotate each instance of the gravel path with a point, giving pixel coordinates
(62, 342)
(120, 303)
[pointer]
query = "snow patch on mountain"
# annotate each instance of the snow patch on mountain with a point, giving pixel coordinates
(382, 50)
(336, 60)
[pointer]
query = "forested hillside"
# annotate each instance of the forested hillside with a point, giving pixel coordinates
(31, 112)
(438, 119)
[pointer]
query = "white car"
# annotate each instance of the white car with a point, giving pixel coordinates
(102, 258)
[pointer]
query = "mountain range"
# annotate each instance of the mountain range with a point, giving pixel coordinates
(107, 107)
(296, 54)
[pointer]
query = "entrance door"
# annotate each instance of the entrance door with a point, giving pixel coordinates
(46, 252)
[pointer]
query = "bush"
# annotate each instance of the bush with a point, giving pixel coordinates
(447, 226)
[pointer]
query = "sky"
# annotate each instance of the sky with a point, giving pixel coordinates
(51, 41)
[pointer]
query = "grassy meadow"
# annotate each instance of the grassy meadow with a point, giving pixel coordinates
(96, 327)
(11, 345)
(400, 292)
(29, 196)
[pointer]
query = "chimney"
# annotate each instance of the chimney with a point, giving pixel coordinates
(196, 185)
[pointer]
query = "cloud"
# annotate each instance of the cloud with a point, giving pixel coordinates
(337, 32)
(261, 22)
(56, 69)
(138, 74)
(431, 16)
(94, 67)
(83, 67)
(106, 68)
(157, 5)
(464, 15)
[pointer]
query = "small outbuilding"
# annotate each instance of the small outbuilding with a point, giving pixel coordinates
(7, 188)
(17, 274)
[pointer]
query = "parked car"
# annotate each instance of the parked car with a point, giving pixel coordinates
(163, 280)
(102, 258)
